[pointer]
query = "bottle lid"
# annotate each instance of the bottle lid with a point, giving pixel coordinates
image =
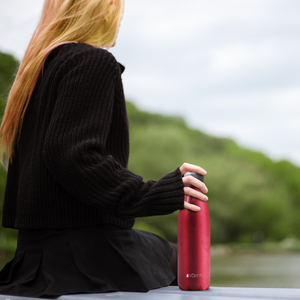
(194, 174)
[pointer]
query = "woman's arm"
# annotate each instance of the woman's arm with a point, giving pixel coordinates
(74, 149)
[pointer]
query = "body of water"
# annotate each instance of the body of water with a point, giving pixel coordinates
(256, 270)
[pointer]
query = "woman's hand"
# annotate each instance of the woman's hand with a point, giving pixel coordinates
(190, 180)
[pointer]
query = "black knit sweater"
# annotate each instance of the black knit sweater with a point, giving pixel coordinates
(70, 164)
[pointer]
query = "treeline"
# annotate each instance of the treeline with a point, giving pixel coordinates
(8, 68)
(248, 191)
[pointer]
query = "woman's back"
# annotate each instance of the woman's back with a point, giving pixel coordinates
(77, 106)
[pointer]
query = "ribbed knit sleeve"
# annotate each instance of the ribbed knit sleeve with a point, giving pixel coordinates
(76, 147)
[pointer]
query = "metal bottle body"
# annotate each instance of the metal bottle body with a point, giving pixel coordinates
(194, 247)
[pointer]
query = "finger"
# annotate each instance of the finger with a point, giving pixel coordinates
(189, 167)
(191, 207)
(190, 180)
(195, 194)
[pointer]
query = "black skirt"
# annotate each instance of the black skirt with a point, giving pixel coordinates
(94, 259)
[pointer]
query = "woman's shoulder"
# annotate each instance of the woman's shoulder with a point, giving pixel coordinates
(71, 55)
(85, 52)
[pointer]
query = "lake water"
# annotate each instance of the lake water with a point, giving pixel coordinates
(256, 270)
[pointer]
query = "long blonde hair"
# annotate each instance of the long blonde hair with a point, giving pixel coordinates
(95, 22)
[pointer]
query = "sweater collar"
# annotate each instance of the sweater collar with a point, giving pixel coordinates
(122, 68)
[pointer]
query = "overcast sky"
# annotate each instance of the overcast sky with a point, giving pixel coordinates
(229, 67)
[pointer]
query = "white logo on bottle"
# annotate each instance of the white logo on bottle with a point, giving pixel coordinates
(193, 275)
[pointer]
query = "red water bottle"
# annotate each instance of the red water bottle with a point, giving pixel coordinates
(193, 244)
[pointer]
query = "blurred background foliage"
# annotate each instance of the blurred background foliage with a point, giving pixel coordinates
(8, 68)
(248, 192)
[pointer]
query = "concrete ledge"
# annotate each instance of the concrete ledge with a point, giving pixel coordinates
(174, 293)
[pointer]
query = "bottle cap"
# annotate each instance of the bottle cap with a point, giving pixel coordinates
(194, 174)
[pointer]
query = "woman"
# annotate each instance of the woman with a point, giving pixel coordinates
(69, 192)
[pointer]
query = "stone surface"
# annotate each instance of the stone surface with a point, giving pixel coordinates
(174, 293)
